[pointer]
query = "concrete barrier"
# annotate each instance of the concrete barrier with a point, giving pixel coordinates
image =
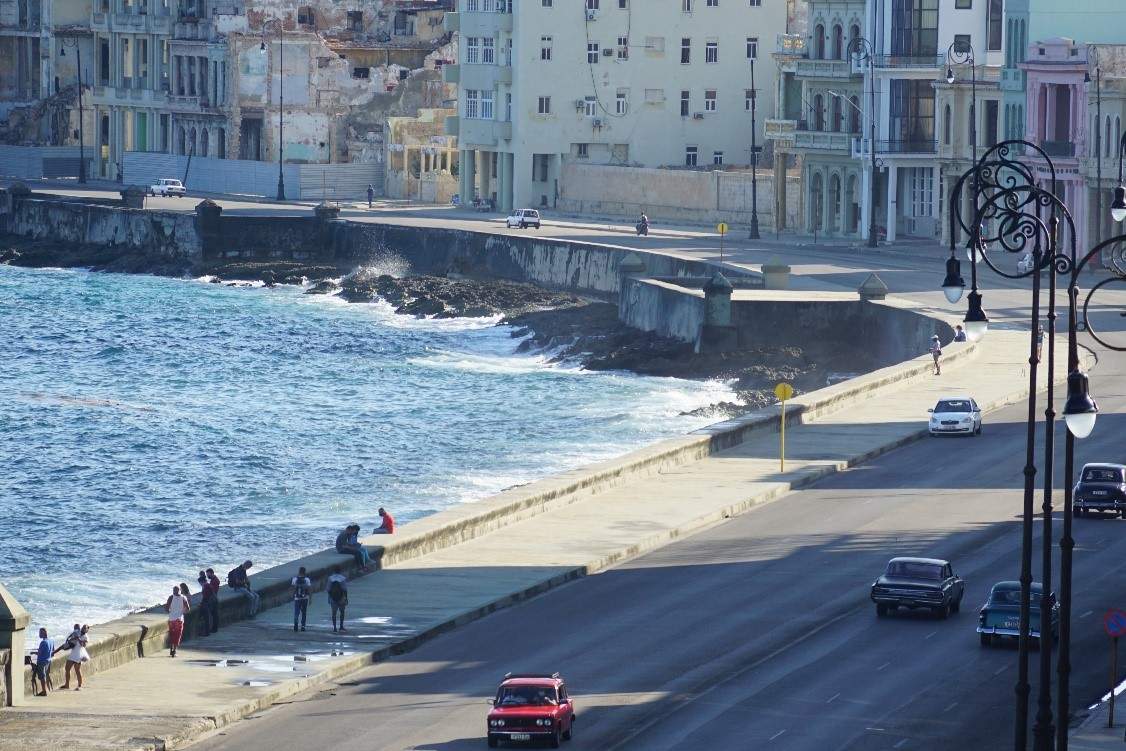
(146, 633)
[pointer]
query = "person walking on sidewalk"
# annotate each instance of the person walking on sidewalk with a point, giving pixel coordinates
(936, 353)
(301, 588)
(67, 646)
(337, 598)
(387, 527)
(212, 605)
(371, 195)
(42, 665)
(78, 655)
(240, 582)
(177, 607)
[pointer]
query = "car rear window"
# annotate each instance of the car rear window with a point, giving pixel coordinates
(1005, 597)
(953, 405)
(913, 570)
(1102, 475)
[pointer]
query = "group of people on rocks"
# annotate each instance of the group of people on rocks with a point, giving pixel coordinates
(178, 605)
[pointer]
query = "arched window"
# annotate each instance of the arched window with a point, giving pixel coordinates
(221, 146)
(854, 115)
(838, 42)
(191, 141)
(1106, 140)
(204, 142)
(182, 142)
(819, 42)
(838, 117)
(946, 126)
(818, 113)
(1117, 133)
(970, 133)
(853, 35)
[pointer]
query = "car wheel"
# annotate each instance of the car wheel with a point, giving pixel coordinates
(881, 610)
(570, 733)
(537, 225)
(554, 740)
(986, 639)
(978, 431)
(944, 611)
(523, 225)
(956, 606)
(492, 741)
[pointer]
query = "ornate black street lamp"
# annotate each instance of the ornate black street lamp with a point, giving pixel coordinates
(861, 49)
(1093, 56)
(1027, 218)
(280, 22)
(81, 134)
(754, 234)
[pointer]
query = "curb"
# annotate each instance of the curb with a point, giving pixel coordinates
(653, 542)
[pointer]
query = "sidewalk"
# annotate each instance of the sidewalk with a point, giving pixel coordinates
(1094, 735)
(159, 702)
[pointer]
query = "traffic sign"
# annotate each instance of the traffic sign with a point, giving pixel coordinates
(1115, 623)
(785, 391)
(721, 228)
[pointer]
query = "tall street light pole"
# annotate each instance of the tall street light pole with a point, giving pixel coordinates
(962, 53)
(1093, 55)
(754, 234)
(281, 103)
(861, 49)
(81, 131)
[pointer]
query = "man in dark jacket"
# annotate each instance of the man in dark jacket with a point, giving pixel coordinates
(240, 582)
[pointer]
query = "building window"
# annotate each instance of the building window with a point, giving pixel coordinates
(752, 48)
(590, 106)
(922, 191)
(488, 51)
(621, 103)
(686, 6)
(471, 6)
(361, 73)
(963, 4)
(685, 51)
(713, 3)
(582, 150)
(592, 4)
(991, 118)
(356, 20)
(546, 3)
(711, 52)
(710, 100)
(592, 52)
(962, 42)
(472, 50)
(472, 104)
(756, 3)
(717, 158)
(623, 4)
(623, 48)
(487, 105)
(544, 105)
(914, 28)
(946, 126)
(685, 102)
(996, 14)
(691, 156)
(545, 48)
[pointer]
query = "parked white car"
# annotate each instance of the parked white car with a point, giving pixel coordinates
(168, 187)
(955, 414)
(524, 218)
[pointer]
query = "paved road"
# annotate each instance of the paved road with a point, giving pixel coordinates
(757, 633)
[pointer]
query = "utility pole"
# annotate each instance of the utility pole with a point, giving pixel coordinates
(281, 106)
(754, 234)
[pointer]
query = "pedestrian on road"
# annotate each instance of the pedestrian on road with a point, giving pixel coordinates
(78, 656)
(301, 588)
(42, 666)
(177, 606)
(387, 527)
(371, 195)
(936, 353)
(211, 606)
(1039, 342)
(238, 580)
(337, 598)
(348, 543)
(959, 333)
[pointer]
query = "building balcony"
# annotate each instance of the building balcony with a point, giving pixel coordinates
(908, 147)
(1012, 79)
(909, 62)
(790, 45)
(821, 140)
(1058, 148)
(778, 129)
(823, 68)
(476, 132)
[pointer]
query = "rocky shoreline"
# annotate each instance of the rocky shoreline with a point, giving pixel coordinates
(567, 327)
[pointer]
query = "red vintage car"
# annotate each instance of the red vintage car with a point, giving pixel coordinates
(531, 707)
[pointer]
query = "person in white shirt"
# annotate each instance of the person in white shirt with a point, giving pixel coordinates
(177, 607)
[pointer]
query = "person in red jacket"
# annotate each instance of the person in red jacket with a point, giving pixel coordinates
(388, 525)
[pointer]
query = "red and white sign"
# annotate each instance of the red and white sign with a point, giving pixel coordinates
(1115, 623)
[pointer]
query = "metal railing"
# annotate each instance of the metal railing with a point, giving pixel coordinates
(909, 146)
(1058, 148)
(910, 61)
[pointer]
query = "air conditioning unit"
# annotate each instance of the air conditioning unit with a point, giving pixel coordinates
(597, 122)
(608, 52)
(698, 116)
(591, 15)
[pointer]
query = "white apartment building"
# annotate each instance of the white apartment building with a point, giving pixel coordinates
(619, 82)
(923, 132)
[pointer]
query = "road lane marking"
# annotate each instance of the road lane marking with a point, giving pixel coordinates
(1089, 612)
(881, 667)
(1000, 670)
(777, 734)
(901, 744)
(932, 633)
(833, 697)
(952, 705)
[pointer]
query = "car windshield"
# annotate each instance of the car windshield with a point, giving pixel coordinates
(1102, 475)
(953, 405)
(914, 570)
(516, 696)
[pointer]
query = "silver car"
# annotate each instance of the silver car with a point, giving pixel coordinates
(955, 415)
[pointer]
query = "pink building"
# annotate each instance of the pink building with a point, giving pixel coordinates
(1056, 107)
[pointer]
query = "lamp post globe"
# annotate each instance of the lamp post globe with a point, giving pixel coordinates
(1118, 208)
(1080, 411)
(977, 323)
(953, 286)
(949, 75)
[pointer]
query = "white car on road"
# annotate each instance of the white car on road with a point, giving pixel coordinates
(523, 218)
(955, 414)
(168, 187)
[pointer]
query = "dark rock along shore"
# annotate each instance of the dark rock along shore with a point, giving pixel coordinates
(570, 328)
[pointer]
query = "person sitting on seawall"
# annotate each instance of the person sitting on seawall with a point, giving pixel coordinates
(387, 527)
(959, 334)
(348, 543)
(240, 582)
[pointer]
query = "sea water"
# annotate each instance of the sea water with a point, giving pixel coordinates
(151, 427)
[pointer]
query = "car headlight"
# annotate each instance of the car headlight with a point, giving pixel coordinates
(497, 723)
(967, 419)
(545, 723)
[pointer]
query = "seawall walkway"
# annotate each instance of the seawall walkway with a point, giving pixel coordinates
(160, 702)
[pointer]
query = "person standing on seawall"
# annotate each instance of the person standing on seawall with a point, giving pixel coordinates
(213, 604)
(301, 588)
(387, 527)
(177, 607)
